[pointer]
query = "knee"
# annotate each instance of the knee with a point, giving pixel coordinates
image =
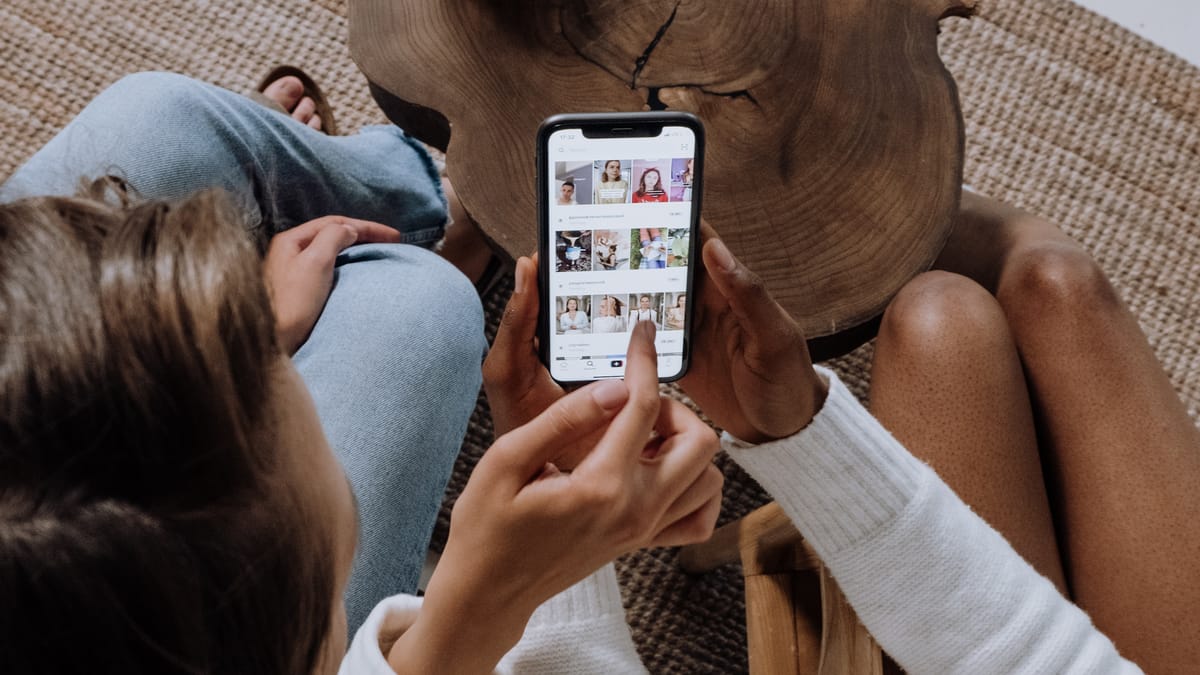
(459, 312)
(1054, 279)
(438, 308)
(155, 95)
(938, 313)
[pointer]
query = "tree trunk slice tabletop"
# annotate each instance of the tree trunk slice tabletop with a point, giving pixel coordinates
(835, 139)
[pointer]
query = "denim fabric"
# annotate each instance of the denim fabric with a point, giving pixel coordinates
(394, 367)
(168, 136)
(393, 363)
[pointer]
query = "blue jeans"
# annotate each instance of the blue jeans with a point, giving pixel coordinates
(393, 363)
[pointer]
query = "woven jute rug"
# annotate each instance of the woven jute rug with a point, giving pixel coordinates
(1067, 115)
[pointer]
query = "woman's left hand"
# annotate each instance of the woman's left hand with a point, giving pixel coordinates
(518, 386)
(299, 270)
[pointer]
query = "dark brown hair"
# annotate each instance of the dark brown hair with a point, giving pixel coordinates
(642, 191)
(144, 527)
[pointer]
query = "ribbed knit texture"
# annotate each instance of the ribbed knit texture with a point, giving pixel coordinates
(581, 630)
(846, 493)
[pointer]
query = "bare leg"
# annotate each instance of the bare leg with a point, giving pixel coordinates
(464, 245)
(946, 381)
(1122, 455)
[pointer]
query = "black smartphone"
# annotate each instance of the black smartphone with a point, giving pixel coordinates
(618, 229)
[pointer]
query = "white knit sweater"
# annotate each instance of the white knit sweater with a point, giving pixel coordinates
(939, 589)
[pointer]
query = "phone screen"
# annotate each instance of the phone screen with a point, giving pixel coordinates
(620, 230)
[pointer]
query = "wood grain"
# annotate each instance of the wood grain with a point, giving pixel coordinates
(835, 140)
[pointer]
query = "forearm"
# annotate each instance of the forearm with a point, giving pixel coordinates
(938, 588)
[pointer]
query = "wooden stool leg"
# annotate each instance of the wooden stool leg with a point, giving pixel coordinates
(846, 646)
(783, 623)
(785, 584)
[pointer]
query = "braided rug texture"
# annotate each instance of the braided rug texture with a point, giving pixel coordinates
(1066, 114)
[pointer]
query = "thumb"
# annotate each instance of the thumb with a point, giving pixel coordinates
(511, 350)
(763, 321)
(520, 455)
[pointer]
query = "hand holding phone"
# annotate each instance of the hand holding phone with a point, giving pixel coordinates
(618, 208)
(752, 374)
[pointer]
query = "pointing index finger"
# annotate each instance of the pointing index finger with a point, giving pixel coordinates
(631, 429)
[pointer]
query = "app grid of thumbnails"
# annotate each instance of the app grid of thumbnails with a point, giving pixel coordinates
(623, 181)
(618, 312)
(645, 248)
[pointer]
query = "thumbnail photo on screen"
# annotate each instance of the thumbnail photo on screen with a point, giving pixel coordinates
(650, 180)
(676, 311)
(573, 251)
(681, 180)
(645, 307)
(612, 178)
(678, 246)
(572, 183)
(573, 314)
(611, 249)
(612, 313)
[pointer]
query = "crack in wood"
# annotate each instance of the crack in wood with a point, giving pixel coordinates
(653, 99)
(645, 57)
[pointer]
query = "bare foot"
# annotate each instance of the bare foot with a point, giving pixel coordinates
(464, 245)
(288, 92)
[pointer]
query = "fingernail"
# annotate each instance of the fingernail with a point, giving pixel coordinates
(519, 283)
(610, 394)
(723, 256)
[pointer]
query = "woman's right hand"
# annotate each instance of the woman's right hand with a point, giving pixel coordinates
(298, 270)
(523, 531)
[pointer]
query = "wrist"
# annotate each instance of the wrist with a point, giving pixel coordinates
(467, 622)
(808, 403)
(457, 636)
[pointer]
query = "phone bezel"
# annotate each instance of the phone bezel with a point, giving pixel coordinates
(605, 123)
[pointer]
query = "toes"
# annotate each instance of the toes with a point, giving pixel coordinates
(304, 110)
(286, 91)
(315, 122)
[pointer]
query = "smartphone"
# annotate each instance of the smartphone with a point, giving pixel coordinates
(618, 229)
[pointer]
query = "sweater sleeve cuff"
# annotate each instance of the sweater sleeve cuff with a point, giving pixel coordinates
(597, 596)
(840, 478)
(581, 630)
(386, 623)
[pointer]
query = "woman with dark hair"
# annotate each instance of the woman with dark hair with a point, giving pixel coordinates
(677, 313)
(572, 320)
(650, 188)
(169, 503)
(168, 499)
(281, 178)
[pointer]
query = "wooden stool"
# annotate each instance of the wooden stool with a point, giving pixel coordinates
(797, 620)
(835, 141)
